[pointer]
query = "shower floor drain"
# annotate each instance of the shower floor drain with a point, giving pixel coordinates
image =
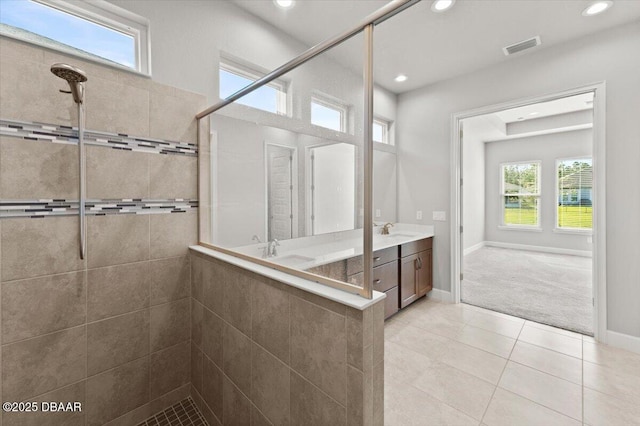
(183, 413)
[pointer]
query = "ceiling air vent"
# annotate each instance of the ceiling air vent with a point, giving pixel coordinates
(522, 45)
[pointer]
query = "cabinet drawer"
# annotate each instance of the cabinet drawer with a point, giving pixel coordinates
(380, 257)
(384, 277)
(391, 302)
(413, 247)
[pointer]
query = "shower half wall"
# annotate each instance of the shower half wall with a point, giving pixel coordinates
(111, 331)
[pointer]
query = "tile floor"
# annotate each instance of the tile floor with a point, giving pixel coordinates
(451, 364)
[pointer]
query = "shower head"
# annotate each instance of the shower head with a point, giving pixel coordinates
(74, 76)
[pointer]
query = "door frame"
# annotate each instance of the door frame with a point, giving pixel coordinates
(294, 191)
(599, 241)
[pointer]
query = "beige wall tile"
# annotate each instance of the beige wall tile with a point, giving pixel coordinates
(169, 369)
(378, 394)
(42, 305)
(116, 290)
(270, 319)
(212, 336)
(132, 417)
(237, 358)
(117, 391)
(10, 48)
(336, 307)
(237, 289)
(197, 267)
(33, 170)
(212, 387)
(72, 393)
(174, 118)
(173, 176)
(196, 367)
(91, 68)
(359, 397)
(113, 107)
(117, 239)
(169, 324)
(214, 275)
(169, 279)
(197, 314)
(236, 407)
(117, 340)
(270, 385)
(22, 80)
(319, 347)
(257, 418)
(35, 366)
(56, 239)
(172, 234)
(378, 332)
(117, 174)
(170, 398)
(310, 406)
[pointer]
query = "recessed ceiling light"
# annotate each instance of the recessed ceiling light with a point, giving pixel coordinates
(400, 78)
(284, 4)
(534, 113)
(597, 7)
(442, 5)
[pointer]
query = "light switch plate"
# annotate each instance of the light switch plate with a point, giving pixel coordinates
(378, 214)
(419, 215)
(440, 216)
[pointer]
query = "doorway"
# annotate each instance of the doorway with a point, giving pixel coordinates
(281, 192)
(527, 222)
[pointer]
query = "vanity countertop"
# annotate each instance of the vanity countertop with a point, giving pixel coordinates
(319, 251)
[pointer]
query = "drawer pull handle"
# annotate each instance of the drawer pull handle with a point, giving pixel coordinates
(375, 259)
(376, 281)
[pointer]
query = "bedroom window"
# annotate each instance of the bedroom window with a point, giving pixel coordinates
(271, 97)
(98, 31)
(521, 194)
(575, 193)
(381, 131)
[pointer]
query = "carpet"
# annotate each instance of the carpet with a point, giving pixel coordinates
(553, 289)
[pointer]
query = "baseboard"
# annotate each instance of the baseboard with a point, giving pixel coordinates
(473, 248)
(554, 250)
(623, 341)
(440, 295)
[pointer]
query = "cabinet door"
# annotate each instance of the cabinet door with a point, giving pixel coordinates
(408, 280)
(424, 281)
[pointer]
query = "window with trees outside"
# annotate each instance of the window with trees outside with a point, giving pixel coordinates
(521, 194)
(575, 193)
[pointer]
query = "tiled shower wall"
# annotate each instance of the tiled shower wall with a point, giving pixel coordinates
(111, 331)
(265, 353)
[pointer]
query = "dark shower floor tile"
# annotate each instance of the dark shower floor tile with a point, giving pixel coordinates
(184, 413)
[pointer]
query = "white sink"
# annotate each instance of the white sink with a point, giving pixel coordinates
(290, 260)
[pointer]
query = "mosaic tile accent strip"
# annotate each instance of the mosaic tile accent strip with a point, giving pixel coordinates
(69, 135)
(42, 208)
(184, 413)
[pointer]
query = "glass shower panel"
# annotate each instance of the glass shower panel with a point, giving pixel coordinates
(284, 190)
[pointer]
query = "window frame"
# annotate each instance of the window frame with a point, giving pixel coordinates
(252, 73)
(556, 227)
(334, 104)
(108, 15)
(538, 195)
(386, 131)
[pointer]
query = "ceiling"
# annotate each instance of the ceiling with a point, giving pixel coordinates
(429, 47)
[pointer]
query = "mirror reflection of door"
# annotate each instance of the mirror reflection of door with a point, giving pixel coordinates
(333, 188)
(280, 183)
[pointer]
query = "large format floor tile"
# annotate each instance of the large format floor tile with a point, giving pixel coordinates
(451, 364)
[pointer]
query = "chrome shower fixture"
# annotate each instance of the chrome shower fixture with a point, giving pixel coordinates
(74, 76)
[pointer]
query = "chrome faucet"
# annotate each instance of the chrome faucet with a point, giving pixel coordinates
(385, 228)
(272, 248)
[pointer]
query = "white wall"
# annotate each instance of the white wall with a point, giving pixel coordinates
(424, 139)
(476, 131)
(546, 149)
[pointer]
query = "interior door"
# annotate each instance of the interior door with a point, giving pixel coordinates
(280, 192)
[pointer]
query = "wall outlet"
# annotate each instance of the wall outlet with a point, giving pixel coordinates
(378, 214)
(419, 215)
(440, 216)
